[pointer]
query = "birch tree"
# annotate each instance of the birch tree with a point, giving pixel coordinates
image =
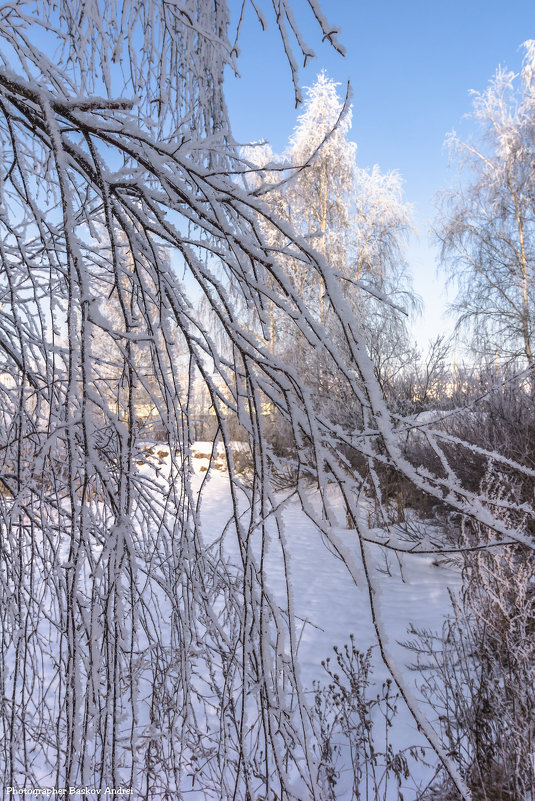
(488, 229)
(354, 217)
(135, 651)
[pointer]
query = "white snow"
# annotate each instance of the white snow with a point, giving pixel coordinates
(329, 607)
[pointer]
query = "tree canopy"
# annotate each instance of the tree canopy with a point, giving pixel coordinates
(487, 231)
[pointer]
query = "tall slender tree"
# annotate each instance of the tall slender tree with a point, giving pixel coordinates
(488, 228)
(354, 217)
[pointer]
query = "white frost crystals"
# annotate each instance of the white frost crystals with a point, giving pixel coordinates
(135, 652)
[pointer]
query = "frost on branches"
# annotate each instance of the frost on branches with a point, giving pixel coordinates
(487, 229)
(356, 220)
(135, 651)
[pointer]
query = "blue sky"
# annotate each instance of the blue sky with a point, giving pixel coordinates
(411, 65)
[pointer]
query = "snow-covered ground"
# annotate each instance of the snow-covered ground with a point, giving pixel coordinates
(328, 603)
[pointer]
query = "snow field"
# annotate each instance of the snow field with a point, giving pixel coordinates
(329, 606)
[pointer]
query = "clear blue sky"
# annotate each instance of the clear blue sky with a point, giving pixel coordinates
(411, 65)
